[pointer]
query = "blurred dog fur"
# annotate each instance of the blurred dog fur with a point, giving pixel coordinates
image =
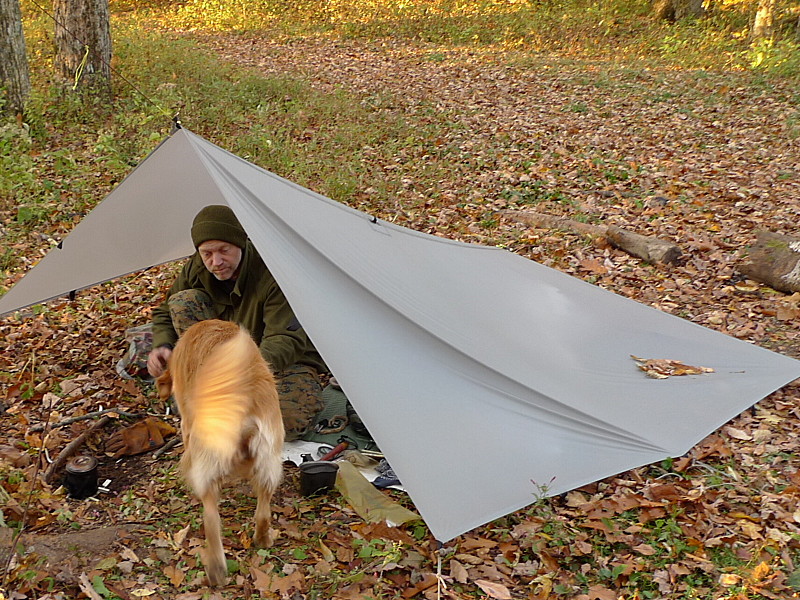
(230, 422)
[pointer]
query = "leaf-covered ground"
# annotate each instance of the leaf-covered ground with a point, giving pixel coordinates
(701, 159)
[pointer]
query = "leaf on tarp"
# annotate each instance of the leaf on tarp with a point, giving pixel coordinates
(661, 368)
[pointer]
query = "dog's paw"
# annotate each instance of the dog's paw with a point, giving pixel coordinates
(264, 538)
(217, 574)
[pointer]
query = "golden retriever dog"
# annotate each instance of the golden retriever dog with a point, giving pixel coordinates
(230, 423)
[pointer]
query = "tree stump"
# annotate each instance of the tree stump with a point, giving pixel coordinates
(775, 260)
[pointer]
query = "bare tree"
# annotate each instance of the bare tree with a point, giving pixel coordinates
(83, 43)
(14, 76)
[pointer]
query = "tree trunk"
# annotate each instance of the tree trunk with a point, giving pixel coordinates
(774, 260)
(14, 76)
(83, 44)
(765, 16)
(675, 10)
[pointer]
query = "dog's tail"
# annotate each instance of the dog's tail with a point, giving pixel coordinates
(220, 401)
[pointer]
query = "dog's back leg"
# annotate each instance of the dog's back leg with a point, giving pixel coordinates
(263, 537)
(216, 566)
(265, 478)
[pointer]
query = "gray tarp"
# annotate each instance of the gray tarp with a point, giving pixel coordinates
(487, 379)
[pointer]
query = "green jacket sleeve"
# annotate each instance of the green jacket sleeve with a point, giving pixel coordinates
(163, 331)
(284, 342)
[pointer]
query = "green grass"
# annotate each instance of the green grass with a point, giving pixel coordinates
(584, 28)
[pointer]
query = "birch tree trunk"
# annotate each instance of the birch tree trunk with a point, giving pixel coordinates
(83, 44)
(14, 75)
(765, 17)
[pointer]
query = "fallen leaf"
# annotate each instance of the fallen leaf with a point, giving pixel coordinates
(458, 572)
(494, 590)
(175, 575)
(284, 585)
(129, 554)
(594, 266)
(738, 434)
(326, 552)
(428, 581)
(760, 572)
(261, 580)
(599, 592)
(645, 549)
(729, 579)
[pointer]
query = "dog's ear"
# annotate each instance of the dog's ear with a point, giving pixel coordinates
(164, 385)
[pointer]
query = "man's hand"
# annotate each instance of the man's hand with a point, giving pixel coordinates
(157, 360)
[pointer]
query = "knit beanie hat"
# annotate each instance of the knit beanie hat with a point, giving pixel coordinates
(217, 222)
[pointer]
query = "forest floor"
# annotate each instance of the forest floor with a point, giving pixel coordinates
(702, 159)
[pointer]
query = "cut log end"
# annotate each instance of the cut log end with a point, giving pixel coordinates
(651, 249)
(774, 260)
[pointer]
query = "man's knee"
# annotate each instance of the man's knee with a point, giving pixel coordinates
(300, 393)
(188, 307)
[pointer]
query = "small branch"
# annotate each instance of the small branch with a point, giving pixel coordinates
(72, 448)
(169, 445)
(91, 415)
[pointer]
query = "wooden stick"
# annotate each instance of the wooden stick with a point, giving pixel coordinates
(72, 448)
(169, 445)
(91, 415)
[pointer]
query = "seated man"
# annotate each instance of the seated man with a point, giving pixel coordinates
(227, 279)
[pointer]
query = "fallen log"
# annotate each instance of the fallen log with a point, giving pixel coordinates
(649, 248)
(775, 260)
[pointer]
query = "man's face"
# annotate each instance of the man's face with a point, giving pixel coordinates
(221, 258)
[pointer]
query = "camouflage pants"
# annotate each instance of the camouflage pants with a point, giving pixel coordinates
(299, 387)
